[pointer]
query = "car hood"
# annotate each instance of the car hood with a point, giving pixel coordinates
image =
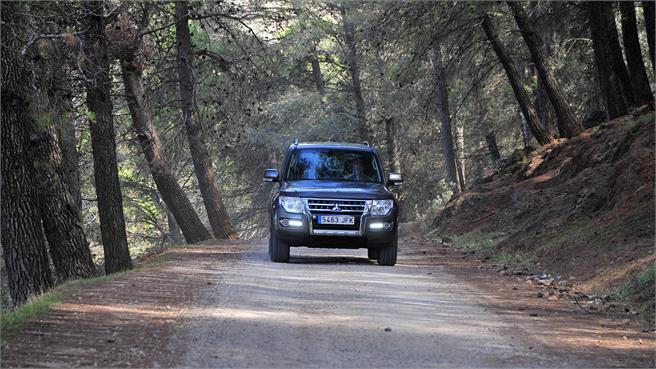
(335, 189)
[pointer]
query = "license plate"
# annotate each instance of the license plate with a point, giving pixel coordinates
(337, 219)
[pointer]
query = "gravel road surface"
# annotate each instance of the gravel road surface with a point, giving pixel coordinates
(224, 304)
(335, 308)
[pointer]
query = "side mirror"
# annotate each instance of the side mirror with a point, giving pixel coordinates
(394, 179)
(271, 175)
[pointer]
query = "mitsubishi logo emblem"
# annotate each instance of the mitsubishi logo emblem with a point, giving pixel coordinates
(336, 208)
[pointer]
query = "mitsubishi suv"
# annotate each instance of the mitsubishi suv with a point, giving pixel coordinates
(333, 195)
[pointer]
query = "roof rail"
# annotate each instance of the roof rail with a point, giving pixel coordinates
(295, 142)
(366, 143)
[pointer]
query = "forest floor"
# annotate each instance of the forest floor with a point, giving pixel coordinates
(225, 305)
(581, 208)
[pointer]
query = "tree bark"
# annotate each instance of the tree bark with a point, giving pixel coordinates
(61, 215)
(69, 248)
(525, 130)
(460, 154)
(391, 147)
(209, 189)
(354, 69)
(613, 76)
(650, 28)
(636, 66)
(174, 234)
(492, 147)
(158, 159)
(316, 72)
(568, 124)
(23, 241)
(523, 100)
(98, 85)
(61, 96)
(490, 138)
(70, 158)
(543, 106)
(540, 98)
(446, 133)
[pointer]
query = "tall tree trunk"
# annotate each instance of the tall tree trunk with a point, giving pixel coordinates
(492, 147)
(354, 69)
(103, 145)
(316, 72)
(23, 240)
(525, 130)
(174, 234)
(158, 159)
(490, 138)
(524, 127)
(543, 106)
(69, 248)
(478, 171)
(650, 28)
(70, 158)
(612, 73)
(62, 97)
(537, 128)
(209, 189)
(540, 98)
(568, 124)
(446, 134)
(460, 153)
(636, 66)
(391, 147)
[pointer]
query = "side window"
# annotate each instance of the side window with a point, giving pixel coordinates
(285, 165)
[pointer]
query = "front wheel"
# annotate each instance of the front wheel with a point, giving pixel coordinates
(278, 249)
(387, 255)
(372, 253)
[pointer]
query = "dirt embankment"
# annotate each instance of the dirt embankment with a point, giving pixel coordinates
(582, 207)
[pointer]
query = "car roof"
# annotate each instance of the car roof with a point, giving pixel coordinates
(332, 145)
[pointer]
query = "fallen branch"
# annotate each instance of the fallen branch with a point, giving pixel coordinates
(39, 37)
(431, 232)
(485, 217)
(579, 304)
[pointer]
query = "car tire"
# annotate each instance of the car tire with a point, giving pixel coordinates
(278, 249)
(372, 253)
(387, 255)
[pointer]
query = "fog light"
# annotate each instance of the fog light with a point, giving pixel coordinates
(295, 223)
(291, 223)
(380, 225)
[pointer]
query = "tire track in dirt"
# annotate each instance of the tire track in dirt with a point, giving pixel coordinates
(227, 305)
(327, 311)
(122, 322)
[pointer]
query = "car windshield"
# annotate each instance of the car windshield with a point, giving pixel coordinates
(333, 165)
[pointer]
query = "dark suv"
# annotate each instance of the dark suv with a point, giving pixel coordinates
(333, 195)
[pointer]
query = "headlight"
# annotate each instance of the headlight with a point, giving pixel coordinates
(291, 204)
(381, 207)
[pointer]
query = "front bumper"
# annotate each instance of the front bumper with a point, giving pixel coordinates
(305, 234)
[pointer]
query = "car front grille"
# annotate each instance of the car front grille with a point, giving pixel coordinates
(319, 207)
(337, 206)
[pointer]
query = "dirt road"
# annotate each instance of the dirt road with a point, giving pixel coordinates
(228, 306)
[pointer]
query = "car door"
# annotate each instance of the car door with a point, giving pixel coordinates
(275, 191)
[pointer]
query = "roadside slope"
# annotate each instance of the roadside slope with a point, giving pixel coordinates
(582, 207)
